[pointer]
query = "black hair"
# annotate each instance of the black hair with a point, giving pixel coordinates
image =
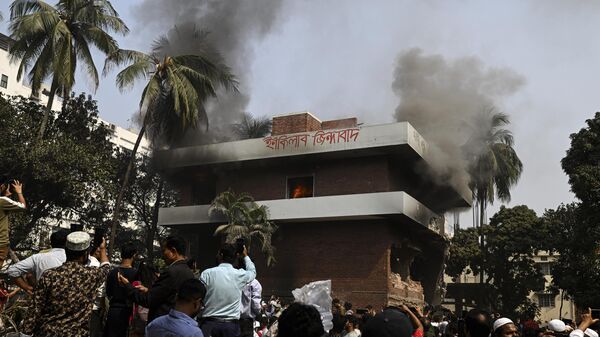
(369, 307)
(300, 320)
(352, 320)
(191, 290)
(475, 326)
(347, 306)
(128, 251)
(58, 239)
(146, 273)
(192, 263)
(228, 253)
(73, 255)
(177, 243)
(339, 323)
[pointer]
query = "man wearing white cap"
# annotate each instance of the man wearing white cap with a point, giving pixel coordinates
(62, 302)
(584, 327)
(504, 327)
(557, 326)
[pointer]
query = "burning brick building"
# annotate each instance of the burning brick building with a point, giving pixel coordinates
(353, 204)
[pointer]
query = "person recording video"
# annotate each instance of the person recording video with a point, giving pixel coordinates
(7, 206)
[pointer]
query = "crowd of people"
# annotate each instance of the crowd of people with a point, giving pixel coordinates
(73, 289)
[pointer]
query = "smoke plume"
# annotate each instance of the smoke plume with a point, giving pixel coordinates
(234, 28)
(444, 99)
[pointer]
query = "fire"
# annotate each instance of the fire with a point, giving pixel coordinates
(301, 191)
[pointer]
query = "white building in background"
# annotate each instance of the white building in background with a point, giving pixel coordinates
(122, 137)
(551, 305)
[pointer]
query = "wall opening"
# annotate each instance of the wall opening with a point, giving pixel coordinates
(300, 187)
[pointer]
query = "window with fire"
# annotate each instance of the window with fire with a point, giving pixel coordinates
(300, 187)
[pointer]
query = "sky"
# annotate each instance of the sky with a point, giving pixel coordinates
(336, 58)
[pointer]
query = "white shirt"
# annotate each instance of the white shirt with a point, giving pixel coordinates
(38, 263)
(94, 263)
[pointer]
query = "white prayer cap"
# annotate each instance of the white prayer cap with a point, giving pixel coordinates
(557, 325)
(503, 321)
(591, 333)
(79, 241)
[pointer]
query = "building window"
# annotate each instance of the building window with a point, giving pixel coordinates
(4, 81)
(300, 187)
(546, 268)
(546, 300)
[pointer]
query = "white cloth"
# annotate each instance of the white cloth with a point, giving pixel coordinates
(579, 333)
(501, 322)
(38, 263)
(94, 263)
(557, 325)
(251, 296)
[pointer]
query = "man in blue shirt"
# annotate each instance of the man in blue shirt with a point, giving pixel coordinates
(224, 285)
(179, 322)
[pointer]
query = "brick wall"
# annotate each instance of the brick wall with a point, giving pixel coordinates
(340, 123)
(354, 255)
(301, 122)
(305, 122)
(332, 177)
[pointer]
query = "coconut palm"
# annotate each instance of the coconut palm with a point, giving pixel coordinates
(50, 40)
(494, 166)
(253, 127)
(173, 99)
(245, 219)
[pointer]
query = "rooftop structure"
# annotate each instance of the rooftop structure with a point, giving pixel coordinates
(354, 204)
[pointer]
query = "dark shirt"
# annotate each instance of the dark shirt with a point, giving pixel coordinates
(160, 299)
(116, 293)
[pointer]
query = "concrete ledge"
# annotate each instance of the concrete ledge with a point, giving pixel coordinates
(317, 142)
(351, 206)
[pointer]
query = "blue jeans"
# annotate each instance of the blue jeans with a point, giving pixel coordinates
(220, 329)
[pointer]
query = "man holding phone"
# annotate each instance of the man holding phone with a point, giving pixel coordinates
(224, 285)
(7, 206)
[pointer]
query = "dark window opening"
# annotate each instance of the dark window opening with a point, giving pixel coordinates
(4, 81)
(300, 187)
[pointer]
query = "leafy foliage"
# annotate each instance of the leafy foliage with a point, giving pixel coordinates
(576, 226)
(513, 237)
(70, 176)
(245, 219)
(51, 40)
(147, 193)
(253, 127)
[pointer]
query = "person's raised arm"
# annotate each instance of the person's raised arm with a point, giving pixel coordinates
(250, 273)
(416, 322)
(18, 187)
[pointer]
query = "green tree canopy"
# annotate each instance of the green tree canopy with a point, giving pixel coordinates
(51, 40)
(245, 219)
(513, 237)
(71, 175)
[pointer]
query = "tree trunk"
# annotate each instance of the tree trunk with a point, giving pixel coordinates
(47, 112)
(124, 186)
(562, 299)
(154, 224)
(481, 237)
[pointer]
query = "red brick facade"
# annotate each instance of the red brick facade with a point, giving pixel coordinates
(306, 122)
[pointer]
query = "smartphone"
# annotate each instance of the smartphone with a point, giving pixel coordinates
(596, 313)
(76, 227)
(239, 245)
(99, 236)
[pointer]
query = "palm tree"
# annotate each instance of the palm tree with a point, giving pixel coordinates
(494, 166)
(253, 127)
(245, 219)
(173, 99)
(50, 40)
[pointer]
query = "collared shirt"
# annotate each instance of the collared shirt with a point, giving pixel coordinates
(251, 297)
(38, 263)
(62, 301)
(224, 286)
(176, 323)
(7, 205)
